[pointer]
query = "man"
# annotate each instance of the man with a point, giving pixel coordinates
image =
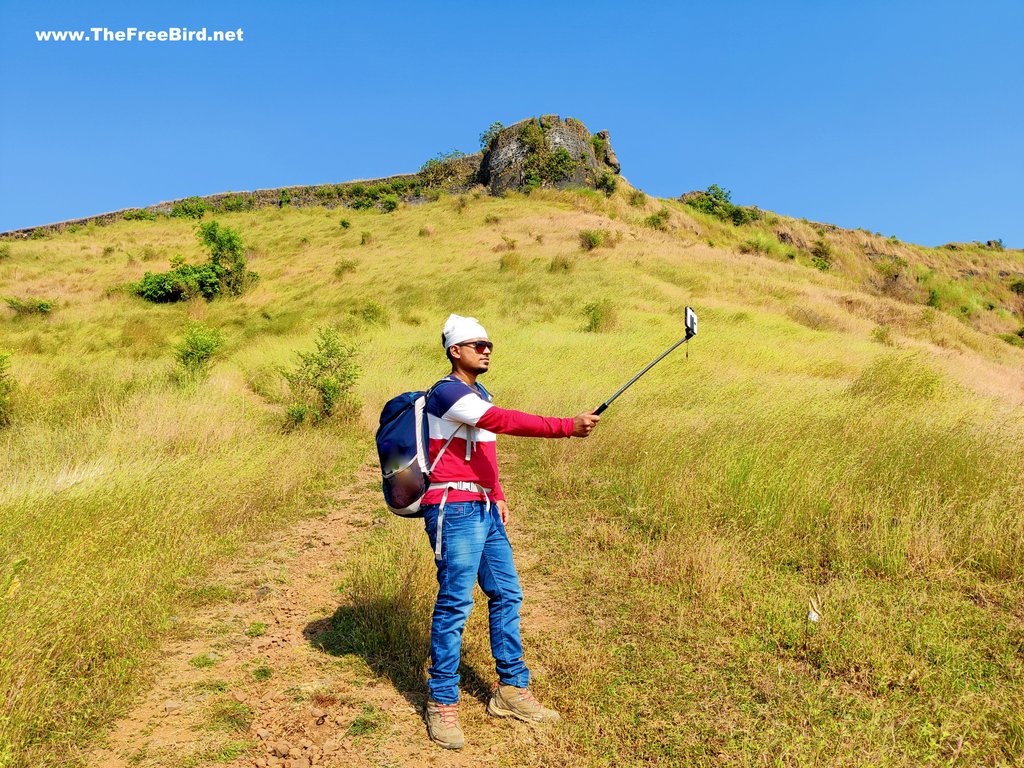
(465, 513)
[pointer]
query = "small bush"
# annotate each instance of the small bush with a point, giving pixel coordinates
(560, 264)
(182, 283)
(284, 197)
(440, 170)
(322, 381)
(373, 313)
(108, 250)
(256, 629)
(345, 223)
(30, 305)
(637, 198)
(365, 238)
(717, 202)
(389, 203)
(343, 267)
(1017, 286)
(882, 334)
(490, 218)
(658, 220)
(821, 254)
(426, 232)
(607, 183)
(600, 316)
(235, 203)
(139, 214)
(194, 354)
(189, 208)
(490, 134)
(7, 385)
(591, 239)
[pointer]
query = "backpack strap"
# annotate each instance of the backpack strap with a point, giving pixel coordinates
(452, 437)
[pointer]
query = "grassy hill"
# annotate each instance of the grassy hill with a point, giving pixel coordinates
(848, 426)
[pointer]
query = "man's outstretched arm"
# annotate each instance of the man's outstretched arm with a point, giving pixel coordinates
(505, 421)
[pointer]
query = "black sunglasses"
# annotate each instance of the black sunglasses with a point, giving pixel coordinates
(479, 346)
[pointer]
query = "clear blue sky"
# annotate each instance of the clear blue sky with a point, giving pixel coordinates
(903, 118)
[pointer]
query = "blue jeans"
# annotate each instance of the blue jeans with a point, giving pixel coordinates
(474, 547)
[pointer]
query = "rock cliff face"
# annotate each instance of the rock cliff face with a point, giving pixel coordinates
(547, 151)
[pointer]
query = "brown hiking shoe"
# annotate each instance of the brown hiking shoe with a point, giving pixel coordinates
(509, 701)
(443, 724)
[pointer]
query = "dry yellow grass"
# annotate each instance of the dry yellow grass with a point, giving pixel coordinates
(792, 453)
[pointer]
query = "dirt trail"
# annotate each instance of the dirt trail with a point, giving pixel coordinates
(223, 697)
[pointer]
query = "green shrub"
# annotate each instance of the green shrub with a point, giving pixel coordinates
(373, 313)
(234, 203)
(591, 239)
(658, 220)
(607, 183)
(440, 170)
(182, 283)
(1017, 286)
(189, 208)
(224, 272)
(284, 197)
(637, 198)
(717, 202)
(343, 267)
(388, 203)
(543, 165)
(30, 305)
(139, 214)
(600, 316)
(365, 238)
(227, 257)
(7, 385)
(490, 134)
(322, 381)
(345, 223)
(194, 353)
(821, 254)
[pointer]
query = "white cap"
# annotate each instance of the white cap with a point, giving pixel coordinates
(458, 328)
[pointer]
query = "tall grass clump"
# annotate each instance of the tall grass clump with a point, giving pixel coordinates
(600, 316)
(591, 239)
(7, 385)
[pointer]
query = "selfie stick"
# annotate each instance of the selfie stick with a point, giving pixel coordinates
(691, 331)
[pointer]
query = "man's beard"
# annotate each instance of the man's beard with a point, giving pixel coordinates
(481, 369)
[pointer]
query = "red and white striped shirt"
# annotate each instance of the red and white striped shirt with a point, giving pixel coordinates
(471, 455)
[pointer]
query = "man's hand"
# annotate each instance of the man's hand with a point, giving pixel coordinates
(502, 510)
(583, 424)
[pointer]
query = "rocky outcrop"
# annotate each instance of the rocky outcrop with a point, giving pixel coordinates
(547, 151)
(537, 152)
